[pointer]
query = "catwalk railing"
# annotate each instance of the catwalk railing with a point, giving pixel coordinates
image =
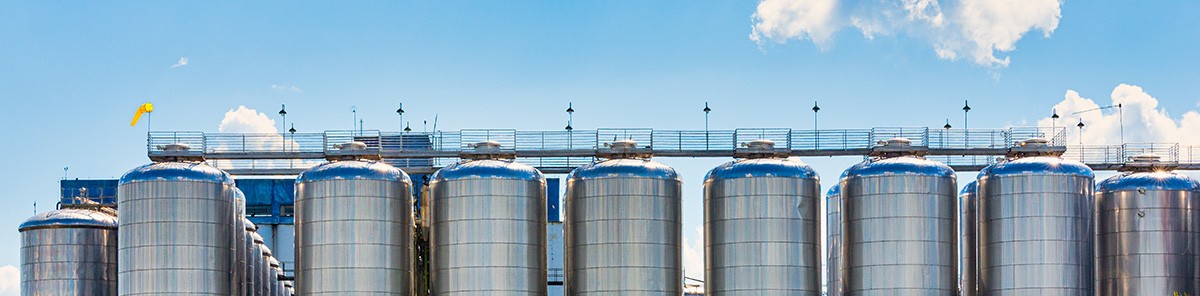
(559, 151)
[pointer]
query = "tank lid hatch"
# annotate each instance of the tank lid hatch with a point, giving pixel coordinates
(1147, 163)
(353, 150)
(488, 150)
(896, 147)
(624, 149)
(1035, 147)
(176, 152)
(761, 148)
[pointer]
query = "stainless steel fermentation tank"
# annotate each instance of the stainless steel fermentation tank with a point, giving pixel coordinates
(354, 227)
(177, 227)
(833, 241)
(1147, 230)
(622, 230)
(967, 246)
(762, 225)
(252, 255)
(900, 232)
(488, 226)
(70, 251)
(1035, 224)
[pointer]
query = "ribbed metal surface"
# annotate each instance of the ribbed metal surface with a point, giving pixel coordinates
(238, 262)
(354, 224)
(967, 245)
(833, 241)
(69, 252)
(900, 230)
(762, 231)
(488, 229)
(250, 255)
(1147, 233)
(622, 229)
(1035, 231)
(177, 230)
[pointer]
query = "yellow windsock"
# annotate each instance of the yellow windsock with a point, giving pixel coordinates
(145, 108)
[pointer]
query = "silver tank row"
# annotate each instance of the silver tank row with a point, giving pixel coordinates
(1030, 224)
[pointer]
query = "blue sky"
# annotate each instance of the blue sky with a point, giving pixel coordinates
(71, 74)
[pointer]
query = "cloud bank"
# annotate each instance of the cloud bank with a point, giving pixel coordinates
(974, 29)
(246, 120)
(1144, 120)
(693, 255)
(10, 280)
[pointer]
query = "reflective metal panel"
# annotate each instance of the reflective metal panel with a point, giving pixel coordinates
(488, 229)
(833, 239)
(900, 228)
(967, 242)
(69, 252)
(762, 233)
(1035, 230)
(623, 229)
(1147, 231)
(251, 255)
(354, 224)
(177, 230)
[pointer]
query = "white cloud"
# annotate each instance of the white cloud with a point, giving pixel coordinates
(246, 120)
(10, 280)
(183, 61)
(976, 29)
(1144, 120)
(286, 88)
(693, 255)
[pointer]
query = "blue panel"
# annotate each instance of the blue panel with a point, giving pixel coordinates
(101, 191)
(260, 192)
(553, 202)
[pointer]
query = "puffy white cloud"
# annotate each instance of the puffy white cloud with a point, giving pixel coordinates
(10, 280)
(183, 61)
(1144, 120)
(780, 20)
(693, 255)
(977, 29)
(246, 120)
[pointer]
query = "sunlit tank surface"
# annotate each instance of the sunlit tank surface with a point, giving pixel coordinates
(262, 273)
(251, 255)
(900, 232)
(761, 223)
(1147, 231)
(622, 230)
(1035, 230)
(967, 242)
(238, 260)
(354, 220)
(69, 252)
(266, 273)
(275, 288)
(488, 226)
(833, 239)
(177, 229)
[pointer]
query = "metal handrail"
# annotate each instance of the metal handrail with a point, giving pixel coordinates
(566, 149)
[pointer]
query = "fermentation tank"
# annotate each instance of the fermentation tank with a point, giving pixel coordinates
(70, 251)
(966, 242)
(622, 226)
(833, 240)
(240, 282)
(900, 235)
(251, 255)
(1035, 230)
(761, 225)
(354, 226)
(177, 227)
(488, 226)
(1147, 230)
